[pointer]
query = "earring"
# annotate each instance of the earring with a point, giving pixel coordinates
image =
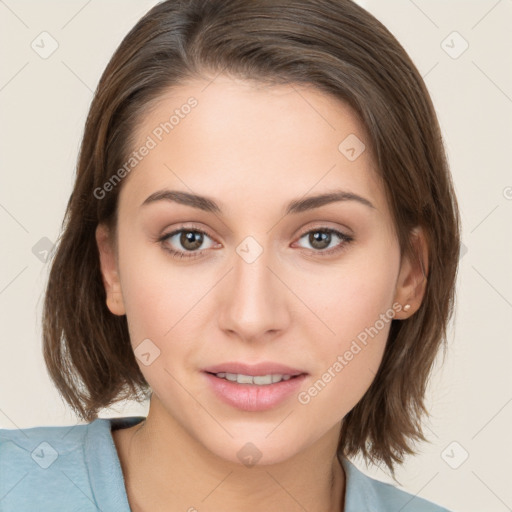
(407, 307)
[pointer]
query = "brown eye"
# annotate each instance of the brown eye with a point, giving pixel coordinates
(185, 243)
(320, 240)
(191, 240)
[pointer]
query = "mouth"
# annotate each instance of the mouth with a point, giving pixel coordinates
(261, 373)
(255, 388)
(258, 380)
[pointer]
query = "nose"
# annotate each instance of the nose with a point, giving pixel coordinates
(253, 301)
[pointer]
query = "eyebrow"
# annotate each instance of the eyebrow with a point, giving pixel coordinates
(296, 206)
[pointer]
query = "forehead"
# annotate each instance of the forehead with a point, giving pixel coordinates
(228, 138)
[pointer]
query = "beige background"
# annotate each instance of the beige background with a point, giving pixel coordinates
(43, 106)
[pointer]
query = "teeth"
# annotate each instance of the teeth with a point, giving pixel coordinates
(244, 379)
(260, 380)
(265, 379)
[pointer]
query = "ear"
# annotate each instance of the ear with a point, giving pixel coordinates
(108, 263)
(412, 278)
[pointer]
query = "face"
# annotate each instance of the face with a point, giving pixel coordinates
(242, 277)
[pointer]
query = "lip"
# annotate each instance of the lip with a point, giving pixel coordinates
(251, 397)
(264, 368)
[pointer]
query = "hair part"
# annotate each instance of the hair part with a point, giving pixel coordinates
(336, 47)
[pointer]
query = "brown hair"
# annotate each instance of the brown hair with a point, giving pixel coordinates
(333, 45)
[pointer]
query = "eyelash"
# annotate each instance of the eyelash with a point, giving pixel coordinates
(346, 239)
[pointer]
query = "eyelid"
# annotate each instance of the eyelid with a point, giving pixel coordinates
(181, 254)
(326, 226)
(345, 239)
(179, 229)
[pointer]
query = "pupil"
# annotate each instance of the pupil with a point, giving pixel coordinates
(194, 238)
(319, 239)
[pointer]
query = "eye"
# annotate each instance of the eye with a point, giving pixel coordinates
(323, 240)
(187, 240)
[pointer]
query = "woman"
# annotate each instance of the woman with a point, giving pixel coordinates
(263, 238)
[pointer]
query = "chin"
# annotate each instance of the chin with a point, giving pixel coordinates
(258, 450)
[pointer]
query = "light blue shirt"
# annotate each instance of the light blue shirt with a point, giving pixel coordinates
(77, 469)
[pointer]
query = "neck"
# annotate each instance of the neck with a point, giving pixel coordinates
(167, 469)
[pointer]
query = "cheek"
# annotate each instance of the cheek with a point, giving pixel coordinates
(348, 298)
(347, 361)
(157, 293)
(147, 297)
(169, 306)
(354, 305)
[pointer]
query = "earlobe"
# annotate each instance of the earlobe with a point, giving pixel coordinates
(412, 279)
(109, 272)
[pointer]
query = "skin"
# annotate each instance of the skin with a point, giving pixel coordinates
(252, 149)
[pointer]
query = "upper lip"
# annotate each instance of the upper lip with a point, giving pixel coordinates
(264, 368)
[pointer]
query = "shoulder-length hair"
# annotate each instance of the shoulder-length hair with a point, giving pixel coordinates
(333, 45)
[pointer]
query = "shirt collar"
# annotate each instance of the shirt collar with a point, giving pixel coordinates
(359, 492)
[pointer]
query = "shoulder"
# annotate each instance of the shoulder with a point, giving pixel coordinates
(365, 492)
(41, 465)
(58, 467)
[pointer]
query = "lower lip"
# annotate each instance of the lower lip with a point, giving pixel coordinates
(251, 397)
